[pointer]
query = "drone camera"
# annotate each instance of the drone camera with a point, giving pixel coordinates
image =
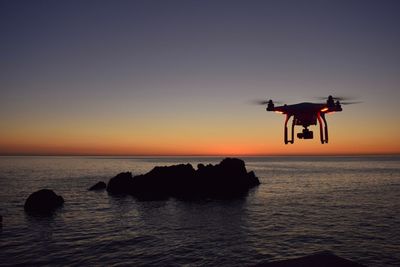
(306, 134)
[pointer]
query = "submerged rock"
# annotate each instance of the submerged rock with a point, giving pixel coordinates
(43, 201)
(98, 186)
(227, 179)
(326, 259)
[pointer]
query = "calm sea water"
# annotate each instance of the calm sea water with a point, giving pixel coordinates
(347, 205)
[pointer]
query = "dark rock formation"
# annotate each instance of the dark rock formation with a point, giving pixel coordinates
(98, 186)
(326, 259)
(43, 201)
(229, 178)
(121, 184)
(225, 180)
(164, 182)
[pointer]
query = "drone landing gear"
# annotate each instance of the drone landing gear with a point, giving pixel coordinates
(286, 131)
(324, 125)
(306, 133)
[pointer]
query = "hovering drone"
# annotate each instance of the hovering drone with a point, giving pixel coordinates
(306, 114)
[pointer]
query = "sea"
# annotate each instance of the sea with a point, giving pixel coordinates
(349, 206)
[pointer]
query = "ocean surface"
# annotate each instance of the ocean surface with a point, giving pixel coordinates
(347, 205)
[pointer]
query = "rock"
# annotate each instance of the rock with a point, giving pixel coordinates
(163, 182)
(121, 184)
(43, 201)
(325, 258)
(98, 186)
(227, 179)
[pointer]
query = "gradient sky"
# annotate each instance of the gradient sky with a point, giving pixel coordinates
(178, 77)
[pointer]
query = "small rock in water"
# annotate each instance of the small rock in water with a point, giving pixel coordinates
(43, 201)
(98, 186)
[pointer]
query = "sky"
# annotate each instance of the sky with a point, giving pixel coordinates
(179, 77)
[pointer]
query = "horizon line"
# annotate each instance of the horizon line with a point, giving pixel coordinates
(195, 155)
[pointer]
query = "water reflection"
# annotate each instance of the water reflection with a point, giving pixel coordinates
(42, 225)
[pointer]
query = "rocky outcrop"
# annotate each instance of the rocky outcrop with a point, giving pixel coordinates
(325, 258)
(121, 184)
(43, 201)
(227, 179)
(98, 186)
(164, 182)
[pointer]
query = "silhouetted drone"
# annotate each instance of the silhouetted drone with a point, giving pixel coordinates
(306, 114)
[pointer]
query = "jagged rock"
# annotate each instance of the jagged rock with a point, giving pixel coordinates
(227, 179)
(325, 258)
(164, 182)
(121, 184)
(43, 201)
(98, 186)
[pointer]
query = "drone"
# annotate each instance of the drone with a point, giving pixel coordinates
(306, 114)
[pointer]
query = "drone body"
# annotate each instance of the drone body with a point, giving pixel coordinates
(306, 114)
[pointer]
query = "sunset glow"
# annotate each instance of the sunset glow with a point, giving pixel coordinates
(140, 78)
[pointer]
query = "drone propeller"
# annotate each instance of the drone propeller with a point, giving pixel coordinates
(350, 103)
(264, 102)
(340, 98)
(260, 102)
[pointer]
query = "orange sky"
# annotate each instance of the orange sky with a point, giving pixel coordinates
(263, 135)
